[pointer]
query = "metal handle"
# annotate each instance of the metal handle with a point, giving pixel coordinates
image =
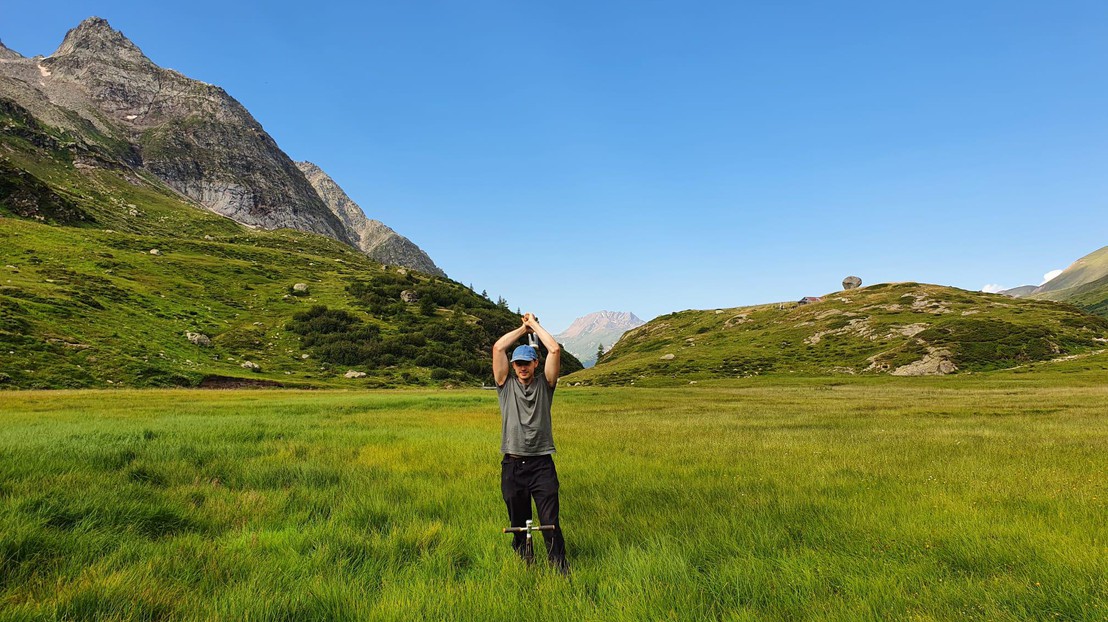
(526, 529)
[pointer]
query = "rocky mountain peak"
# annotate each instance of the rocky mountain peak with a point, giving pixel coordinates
(97, 37)
(602, 328)
(194, 137)
(602, 321)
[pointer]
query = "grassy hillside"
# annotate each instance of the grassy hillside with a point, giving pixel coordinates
(1083, 284)
(866, 498)
(902, 329)
(1092, 297)
(104, 272)
(1091, 267)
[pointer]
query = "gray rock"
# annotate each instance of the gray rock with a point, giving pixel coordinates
(300, 288)
(251, 365)
(936, 363)
(354, 374)
(667, 357)
(852, 282)
(8, 54)
(155, 251)
(409, 295)
(199, 339)
(375, 239)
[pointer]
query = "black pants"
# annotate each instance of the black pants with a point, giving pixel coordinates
(533, 476)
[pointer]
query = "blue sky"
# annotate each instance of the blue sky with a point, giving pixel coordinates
(656, 156)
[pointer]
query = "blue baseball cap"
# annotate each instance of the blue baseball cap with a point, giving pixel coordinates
(524, 353)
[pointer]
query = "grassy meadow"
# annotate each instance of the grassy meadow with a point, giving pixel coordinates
(971, 497)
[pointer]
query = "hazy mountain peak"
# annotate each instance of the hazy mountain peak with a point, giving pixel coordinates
(96, 36)
(602, 320)
(602, 328)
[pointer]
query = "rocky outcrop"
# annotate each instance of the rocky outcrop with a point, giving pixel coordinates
(936, 363)
(374, 238)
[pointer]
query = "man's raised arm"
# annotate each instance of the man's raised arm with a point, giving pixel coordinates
(553, 365)
(500, 363)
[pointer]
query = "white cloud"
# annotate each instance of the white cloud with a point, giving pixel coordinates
(1050, 275)
(993, 288)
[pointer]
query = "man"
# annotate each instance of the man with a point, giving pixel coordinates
(527, 440)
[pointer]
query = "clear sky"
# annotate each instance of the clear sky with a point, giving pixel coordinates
(652, 156)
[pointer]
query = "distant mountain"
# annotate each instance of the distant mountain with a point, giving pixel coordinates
(899, 329)
(587, 333)
(119, 110)
(1019, 292)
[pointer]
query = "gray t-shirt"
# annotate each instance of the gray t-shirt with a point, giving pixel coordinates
(525, 416)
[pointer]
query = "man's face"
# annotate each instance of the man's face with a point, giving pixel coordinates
(525, 370)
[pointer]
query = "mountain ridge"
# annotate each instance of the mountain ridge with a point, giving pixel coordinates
(1089, 268)
(123, 110)
(375, 238)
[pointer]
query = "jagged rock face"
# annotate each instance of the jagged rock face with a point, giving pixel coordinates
(192, 135)
(374, 238)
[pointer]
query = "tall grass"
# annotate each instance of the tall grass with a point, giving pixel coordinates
(890, 499)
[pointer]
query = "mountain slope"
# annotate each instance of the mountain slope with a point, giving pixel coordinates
(1084, 283)
(900, 329)
(191, 135)
(1091, 296)
(1091, 267)
(105, 271)
(375, 239)
(120, 110)
(587, 333)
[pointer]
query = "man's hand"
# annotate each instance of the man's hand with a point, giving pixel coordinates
(553, 350)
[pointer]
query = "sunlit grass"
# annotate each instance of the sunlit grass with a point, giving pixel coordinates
(876, 499)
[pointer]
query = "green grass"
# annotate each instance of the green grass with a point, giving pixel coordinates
(1091, 296)
(974, 497)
